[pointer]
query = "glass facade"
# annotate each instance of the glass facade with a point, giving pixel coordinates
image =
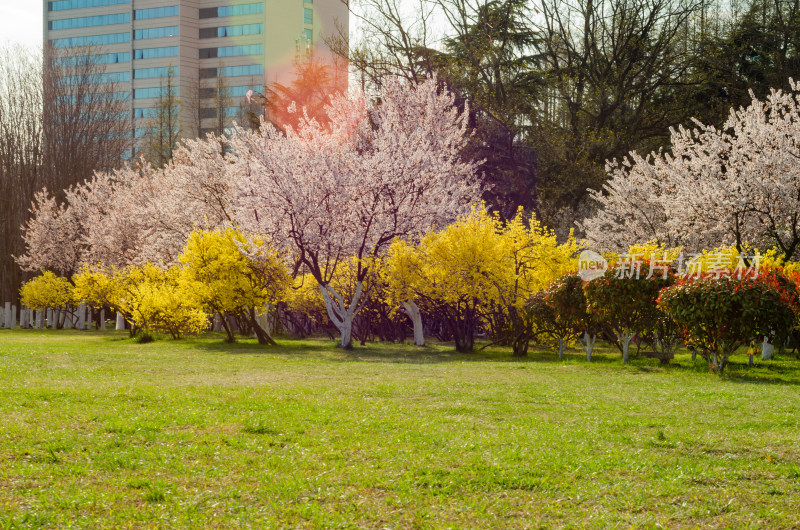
(63, 5)
(150, 73)
(241, 90)
(72, 98)
(232, 11)
(93, 40)
(146, 112)
(141, 132)
(155, 53)
(155, 33)
(96, 79)
(242, 9)
(309, 33)
(156, 12)
(232, 51)
(233, 91)
(231, 31)
(308, 16)
(232, 71)
(235, 71)
(102, 58)
(154, 92)
(87, 22)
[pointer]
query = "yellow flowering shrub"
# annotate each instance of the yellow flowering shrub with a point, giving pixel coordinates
(47, 291)
(234, 275)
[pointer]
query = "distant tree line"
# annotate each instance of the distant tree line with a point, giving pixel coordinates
(60, 120)
(557, 87)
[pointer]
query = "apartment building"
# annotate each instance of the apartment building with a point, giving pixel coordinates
(194, 46)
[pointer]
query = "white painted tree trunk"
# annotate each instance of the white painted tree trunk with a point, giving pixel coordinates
(264, 318)
(68, 318)
(49, 318)
(13, 316)
(588, 345)
(120, 322)
(625, 338)
(82, 316)
(412, 310)
(6, 316)
(767, 350)
(38, 324)
(342, 314)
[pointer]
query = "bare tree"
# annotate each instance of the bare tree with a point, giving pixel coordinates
(61, 118)
(163, 129)
(86, 118)
(20, 154)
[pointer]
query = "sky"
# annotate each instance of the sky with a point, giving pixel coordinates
(21, 21)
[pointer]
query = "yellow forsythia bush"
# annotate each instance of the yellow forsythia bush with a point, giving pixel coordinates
(47, 291)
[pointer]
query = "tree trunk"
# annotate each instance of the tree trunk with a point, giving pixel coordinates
(341, 314)
(412, 310)
(767, 350)
(560, 349)
(588, 345)
(625, 338)
(230, 339)
(261, 334)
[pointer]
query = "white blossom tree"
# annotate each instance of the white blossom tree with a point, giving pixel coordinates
(380, 170)
(133, 215)
(735, 185)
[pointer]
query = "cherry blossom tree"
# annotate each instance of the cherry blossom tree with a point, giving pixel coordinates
(131, 216)
(380, 169)
(49, 236)
(729, 186)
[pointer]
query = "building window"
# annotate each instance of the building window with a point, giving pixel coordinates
(96, 79)
(92, 40)
(234, 91)
(309, 33)
(155, 12)
(155, 33)
(103, 58)
(87, 22)
(232, 11)
(150, 73)
(231, 31)
(227, 112)
(155, 53)
(308, 16)
(63, 5)
(236, 71)
(232, 51)
(154, 92)
(146, 113)
(232, 71)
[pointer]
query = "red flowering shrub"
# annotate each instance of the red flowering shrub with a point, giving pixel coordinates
(718, 315)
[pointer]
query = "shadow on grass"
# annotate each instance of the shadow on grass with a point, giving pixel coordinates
(784, 370)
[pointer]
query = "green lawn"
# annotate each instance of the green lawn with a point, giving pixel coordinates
(97, 431)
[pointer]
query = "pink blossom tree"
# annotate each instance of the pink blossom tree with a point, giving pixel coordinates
(734, 185)
(52, 237)
(134, 215)
(379, 170)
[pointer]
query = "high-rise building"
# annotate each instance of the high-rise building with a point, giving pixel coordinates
(194, 46)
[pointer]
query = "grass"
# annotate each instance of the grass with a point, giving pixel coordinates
(97, 431)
